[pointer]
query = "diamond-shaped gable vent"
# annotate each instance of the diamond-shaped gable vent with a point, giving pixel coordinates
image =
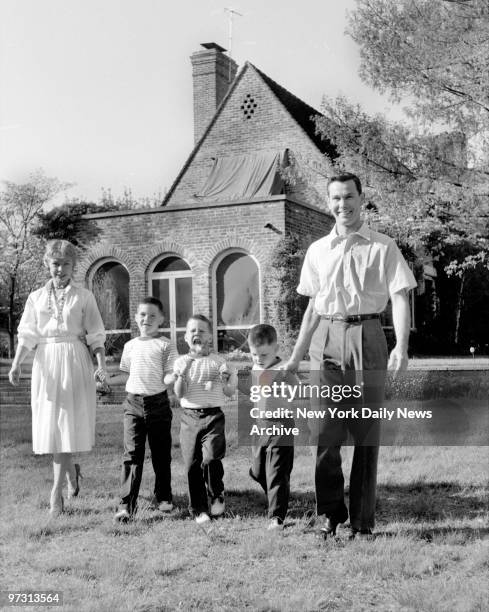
(248, 107)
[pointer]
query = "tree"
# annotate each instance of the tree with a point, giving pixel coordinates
(436, 52)
(20, 259)
(66, 222)
(426, 182)
(285, 265)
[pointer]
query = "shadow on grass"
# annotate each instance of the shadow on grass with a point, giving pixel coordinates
(434, 501)
(424, 502)
(445, 535)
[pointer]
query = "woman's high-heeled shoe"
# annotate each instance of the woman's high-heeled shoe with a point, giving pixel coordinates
(73, 491)
(56, 506)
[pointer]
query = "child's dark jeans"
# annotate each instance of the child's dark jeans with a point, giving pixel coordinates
(203, 445)
(272, 462)
(146, 416)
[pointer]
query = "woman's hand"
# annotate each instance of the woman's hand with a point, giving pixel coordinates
(14, 375)
(100, 375)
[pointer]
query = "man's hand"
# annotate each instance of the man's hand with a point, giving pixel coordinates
(14, 375)
(398, 359)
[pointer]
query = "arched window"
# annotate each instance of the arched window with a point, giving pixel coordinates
(109, 282)
(170, 280)
(236, 299)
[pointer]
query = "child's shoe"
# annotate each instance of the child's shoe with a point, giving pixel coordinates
(202, 518)
(275, 524)
(162, 506)
(165, 506)
(218, 506)
(122, 515)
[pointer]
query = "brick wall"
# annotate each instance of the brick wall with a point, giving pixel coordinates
(271, 127)
(212, 73)
(199, 235)
(137, 239)
(308, 222)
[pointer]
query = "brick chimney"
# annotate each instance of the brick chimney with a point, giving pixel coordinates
(212, 72)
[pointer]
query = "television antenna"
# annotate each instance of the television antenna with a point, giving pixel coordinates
(232, 12)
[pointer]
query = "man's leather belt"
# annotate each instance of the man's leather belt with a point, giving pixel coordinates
(351, 318)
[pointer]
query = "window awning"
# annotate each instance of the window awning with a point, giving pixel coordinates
(244, 176)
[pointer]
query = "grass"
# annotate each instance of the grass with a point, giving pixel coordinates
(430, 553)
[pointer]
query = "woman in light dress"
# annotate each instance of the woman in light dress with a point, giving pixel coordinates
(62, 323)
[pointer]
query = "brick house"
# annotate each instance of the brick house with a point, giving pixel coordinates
(208, 247)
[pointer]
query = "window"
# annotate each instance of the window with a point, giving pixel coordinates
(109, 282)
(236, 300)
(170, 280)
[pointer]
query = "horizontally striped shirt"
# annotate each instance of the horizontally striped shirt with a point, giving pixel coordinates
(204, 384)
(147, 360)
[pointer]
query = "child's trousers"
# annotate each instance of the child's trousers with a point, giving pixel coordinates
(203, 445)
(271, 467)
(146, 416)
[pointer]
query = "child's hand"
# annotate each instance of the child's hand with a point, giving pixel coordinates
(224, 373)
(14, 375)
(188, 365)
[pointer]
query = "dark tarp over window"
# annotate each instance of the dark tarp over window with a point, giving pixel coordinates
(244, 176)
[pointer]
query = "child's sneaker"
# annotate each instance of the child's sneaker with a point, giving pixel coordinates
(275, 524)
(202, 518)
(122, 515)
(162, 506)
(165, 506)
(218, 506)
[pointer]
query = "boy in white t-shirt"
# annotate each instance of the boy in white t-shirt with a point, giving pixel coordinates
(202, 382)
(148, 361)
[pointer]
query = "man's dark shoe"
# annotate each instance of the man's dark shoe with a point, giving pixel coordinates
(361, 534)
(329, 528)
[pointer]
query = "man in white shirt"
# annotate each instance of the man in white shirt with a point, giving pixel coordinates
(349, 276)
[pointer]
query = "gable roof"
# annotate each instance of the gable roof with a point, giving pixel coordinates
(301, 112)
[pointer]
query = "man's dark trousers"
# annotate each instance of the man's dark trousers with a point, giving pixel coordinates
(203, 444)
(348, 354)
(146, 416)
(272, 462)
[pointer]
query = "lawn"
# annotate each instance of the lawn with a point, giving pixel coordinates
(430, 551)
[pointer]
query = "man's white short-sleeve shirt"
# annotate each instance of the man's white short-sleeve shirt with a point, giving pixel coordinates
(354, 274)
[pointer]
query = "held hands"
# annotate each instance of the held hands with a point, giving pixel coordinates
(14, 375)
(292, 365)
(100, 376)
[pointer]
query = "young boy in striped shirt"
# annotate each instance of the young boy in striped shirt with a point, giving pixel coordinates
(202, 382)
(147, 364)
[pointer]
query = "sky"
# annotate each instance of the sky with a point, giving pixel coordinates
(98, 93)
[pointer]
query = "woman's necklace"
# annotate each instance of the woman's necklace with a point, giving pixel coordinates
(57, 313)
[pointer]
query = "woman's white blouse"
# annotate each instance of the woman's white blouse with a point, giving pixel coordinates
(80, 317)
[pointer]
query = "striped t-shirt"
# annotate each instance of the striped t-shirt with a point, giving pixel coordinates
(147, 360)
(204, 384)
